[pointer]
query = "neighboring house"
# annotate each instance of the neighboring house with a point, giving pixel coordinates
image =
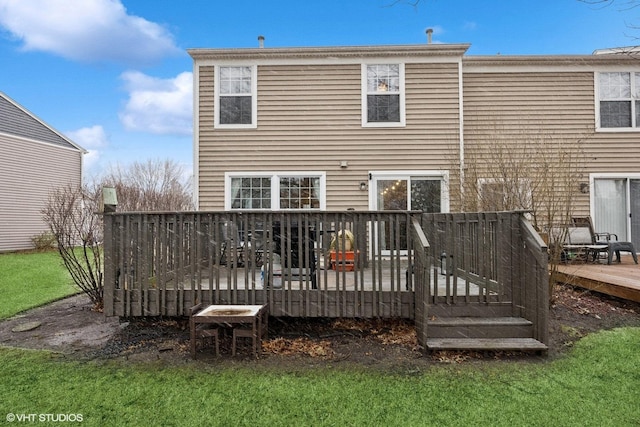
(34, 158)
(389, 127)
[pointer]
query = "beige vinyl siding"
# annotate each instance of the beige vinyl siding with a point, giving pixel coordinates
(520, 108)
(28, 171)
(309, 119)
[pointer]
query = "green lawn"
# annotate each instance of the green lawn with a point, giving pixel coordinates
(29, 280)
(596, 385)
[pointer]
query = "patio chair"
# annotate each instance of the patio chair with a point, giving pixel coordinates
(203, 332)
(233, 246)
(262, 330)
(579, 245)
(610, 240)
(241, 248)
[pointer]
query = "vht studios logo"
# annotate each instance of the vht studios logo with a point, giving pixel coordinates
(53, 418)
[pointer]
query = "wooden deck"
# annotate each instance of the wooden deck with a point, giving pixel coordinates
(620, 280)
(162, 264)
(331, 280)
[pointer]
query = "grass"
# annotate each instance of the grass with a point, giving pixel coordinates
(31, 279)
(596, 385)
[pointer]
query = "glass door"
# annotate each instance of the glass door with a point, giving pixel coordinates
(392, 192)
(634, 213)
(610, 206)
(616, 207)
(413, 193)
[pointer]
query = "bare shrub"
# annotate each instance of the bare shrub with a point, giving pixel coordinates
(531, 169)
(75, 221)
(43, 241)
(71, 213)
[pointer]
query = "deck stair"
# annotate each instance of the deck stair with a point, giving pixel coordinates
(482, 333)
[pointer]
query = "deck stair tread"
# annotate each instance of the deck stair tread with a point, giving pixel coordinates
(516, 344)
(479, 321)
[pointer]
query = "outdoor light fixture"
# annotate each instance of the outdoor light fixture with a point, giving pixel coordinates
(363, 186)
(584, 187)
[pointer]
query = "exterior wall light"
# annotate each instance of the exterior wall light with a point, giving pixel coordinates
(584, 188)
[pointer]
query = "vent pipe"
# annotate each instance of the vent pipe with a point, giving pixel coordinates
(261, 41)
(429, 34)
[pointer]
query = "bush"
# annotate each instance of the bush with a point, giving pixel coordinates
(43, 241)
(71, 215)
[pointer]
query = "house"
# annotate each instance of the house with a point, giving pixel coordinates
(295, 145)
(34, 158)
(404, 127)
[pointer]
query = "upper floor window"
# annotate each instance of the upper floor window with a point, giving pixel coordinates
(383, 95)
(619, 96)
(235, 96)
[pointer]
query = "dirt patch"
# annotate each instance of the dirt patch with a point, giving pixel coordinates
(72, 327)
(69, 326)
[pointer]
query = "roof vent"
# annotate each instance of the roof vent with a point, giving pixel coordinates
(261, 41)
(429, 34)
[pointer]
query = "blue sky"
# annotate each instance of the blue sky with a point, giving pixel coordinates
(114, 75)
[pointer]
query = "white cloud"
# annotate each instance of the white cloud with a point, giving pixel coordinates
(91, 139)
(160, 106)
(470, 26)
(86, 30)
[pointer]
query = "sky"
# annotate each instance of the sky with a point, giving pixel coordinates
(114, 75)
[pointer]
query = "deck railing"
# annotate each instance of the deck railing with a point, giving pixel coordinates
(298, 262)
(486, 262)
(161, 264)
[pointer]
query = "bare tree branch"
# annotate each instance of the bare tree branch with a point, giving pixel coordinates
(158, 185)
(73, 218)
(71, 215)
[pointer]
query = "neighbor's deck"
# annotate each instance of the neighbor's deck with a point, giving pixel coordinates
(619, 280)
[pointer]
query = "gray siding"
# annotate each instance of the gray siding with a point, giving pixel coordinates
(28, 171)
(16, 121)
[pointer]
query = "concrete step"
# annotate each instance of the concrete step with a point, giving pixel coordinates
(486, 344)
(479, 327)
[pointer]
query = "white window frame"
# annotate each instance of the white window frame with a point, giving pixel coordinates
(635, 127)
(275, 187)
(441, 175)
(592, 197)
(365, 92)
(254, 98)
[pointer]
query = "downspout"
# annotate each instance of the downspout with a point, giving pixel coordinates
(461, 143)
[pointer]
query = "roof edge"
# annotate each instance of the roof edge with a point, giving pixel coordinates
(554, 60)
(43, 123)
(433, 49)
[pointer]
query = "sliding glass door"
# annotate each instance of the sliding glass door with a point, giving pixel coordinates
(616, 207)
(420, 191)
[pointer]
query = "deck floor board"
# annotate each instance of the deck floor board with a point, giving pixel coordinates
(617, 279)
